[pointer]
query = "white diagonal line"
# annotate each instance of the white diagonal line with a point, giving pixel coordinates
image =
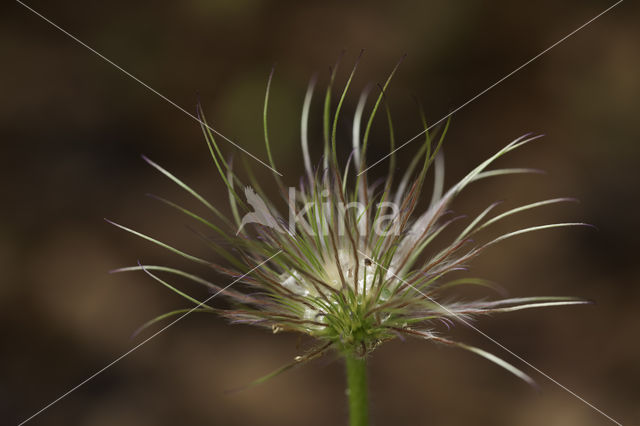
(494, 85)
(147, 86)
(468, 324)
(144, 341)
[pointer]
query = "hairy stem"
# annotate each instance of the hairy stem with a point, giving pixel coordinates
(357, 391)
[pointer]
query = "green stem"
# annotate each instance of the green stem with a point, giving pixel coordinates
(357, 391)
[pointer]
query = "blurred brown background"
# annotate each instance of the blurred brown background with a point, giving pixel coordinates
(72, 129)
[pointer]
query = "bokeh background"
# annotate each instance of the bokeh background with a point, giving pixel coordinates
(73, 128)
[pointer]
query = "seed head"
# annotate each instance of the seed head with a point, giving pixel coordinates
(355, 263)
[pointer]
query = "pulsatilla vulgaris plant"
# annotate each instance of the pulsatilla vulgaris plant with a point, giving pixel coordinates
(354, 265)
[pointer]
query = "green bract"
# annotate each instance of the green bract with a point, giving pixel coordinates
(343, 269)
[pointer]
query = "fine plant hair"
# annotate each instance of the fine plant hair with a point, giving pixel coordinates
(338, 276)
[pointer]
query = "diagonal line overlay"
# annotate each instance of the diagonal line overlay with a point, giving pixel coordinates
(127, 73)
(468, 324)
(143, 342)
(493, 85)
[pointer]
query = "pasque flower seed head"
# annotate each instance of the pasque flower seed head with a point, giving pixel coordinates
(354, 263)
